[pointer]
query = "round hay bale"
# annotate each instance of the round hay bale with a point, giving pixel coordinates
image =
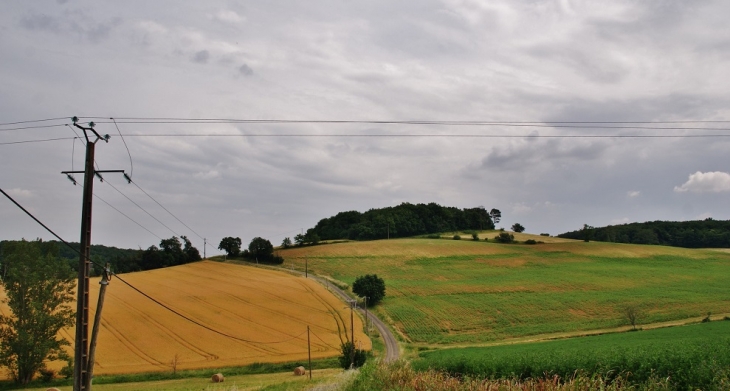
(52, 389)
(300, 371)
(217, 378)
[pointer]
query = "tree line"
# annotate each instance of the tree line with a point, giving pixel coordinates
(706, 233)
(171, 252)
(401, 221)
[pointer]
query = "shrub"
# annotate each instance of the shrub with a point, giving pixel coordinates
(475, 236)
(544, 234)
(347, 359)
(457, 237)
(47, 374)
(504, 237)
(530, 241)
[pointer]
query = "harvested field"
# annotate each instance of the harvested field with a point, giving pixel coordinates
(267, 311)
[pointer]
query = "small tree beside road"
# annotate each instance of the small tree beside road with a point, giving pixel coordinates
(370, 286)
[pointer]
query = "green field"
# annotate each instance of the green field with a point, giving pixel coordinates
(694, 356)
(462, 292)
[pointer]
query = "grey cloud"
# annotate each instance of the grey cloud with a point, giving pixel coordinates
(551, 152)
(40, 22)
(201, 57)
(245, 70)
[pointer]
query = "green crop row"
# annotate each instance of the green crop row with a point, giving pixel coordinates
(691, 357)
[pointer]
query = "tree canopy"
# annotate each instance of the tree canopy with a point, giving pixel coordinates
(706, 233)
(231, 245)
(39, 288)
(400, 221)
(517, 227)
(370, 286)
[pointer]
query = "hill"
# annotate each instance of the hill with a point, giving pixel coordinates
(461, 292)
(706, 233)
(267, 311)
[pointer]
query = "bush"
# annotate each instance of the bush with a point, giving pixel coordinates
(47, 374)
(475, 236)
(504, 237)
(346, 359)
(530, 241)
(544, 234)
(456, 237)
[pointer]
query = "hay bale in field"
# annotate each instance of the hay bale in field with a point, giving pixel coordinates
(300, 371)
(52, 389)
(217, 378)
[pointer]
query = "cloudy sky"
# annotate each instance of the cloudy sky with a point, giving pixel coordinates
(661, 62)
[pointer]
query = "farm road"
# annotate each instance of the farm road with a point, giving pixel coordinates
(392, 351)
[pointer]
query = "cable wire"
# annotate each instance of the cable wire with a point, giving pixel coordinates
(143, 209)
(131, 170)
(32, 121)
(445, 135)
(32, 127)
(132, 220)
(35, 141)
(166, 210)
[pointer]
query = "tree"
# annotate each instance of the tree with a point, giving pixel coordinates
(517, 227)
(286, 243)
(191, 253)
(632, 315)
(587, 232)
(496, 215)
(231, 245)
(261, 249)
(173, 249)
(39, 288)
(370, 286)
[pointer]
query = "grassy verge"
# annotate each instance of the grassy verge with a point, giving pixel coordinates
(690, 357)
(253, 369)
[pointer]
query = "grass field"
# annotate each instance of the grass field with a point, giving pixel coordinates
(269, 381)
(693, 356)
(446, 292)
(268, 311)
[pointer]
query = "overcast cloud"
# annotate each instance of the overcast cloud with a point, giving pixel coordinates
(450, 60)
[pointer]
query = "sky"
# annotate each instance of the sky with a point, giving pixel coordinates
(663, 64)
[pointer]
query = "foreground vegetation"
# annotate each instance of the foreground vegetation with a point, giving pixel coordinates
(690, 357)
(455, 292)
(400, 376)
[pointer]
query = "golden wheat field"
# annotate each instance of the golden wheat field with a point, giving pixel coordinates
(266, 311)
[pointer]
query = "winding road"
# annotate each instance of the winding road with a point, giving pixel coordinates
(392, 350)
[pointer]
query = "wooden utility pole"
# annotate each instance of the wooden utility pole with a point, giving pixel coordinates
(97, 320)
(81, 342)
(309, 352)
(352, 333)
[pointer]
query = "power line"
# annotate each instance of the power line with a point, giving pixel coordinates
(143, 293)
(32, 121)
(166, 210)
(122, 213)
(401, 135)
(131, 170)
(32, 127)
(143, 209)
(36, 141)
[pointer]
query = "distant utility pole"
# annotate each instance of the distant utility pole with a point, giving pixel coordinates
(205, 243)
(81, 346)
